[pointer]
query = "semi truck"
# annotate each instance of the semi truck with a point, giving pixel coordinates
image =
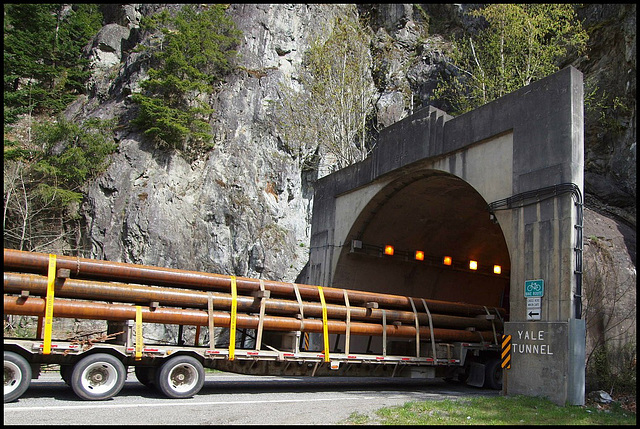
(273, 328)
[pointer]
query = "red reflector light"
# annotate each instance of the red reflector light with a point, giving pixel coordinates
(388, 250)
(419, 255)
(447, 260)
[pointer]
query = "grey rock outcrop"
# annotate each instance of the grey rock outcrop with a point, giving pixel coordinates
(245, 207)
(610, 135)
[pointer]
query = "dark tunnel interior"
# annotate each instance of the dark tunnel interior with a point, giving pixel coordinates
(440, 215)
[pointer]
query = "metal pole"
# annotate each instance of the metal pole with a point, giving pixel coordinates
(120, 271)
(32, 306)
(139, 294)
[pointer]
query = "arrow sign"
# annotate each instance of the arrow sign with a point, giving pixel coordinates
(533, 315)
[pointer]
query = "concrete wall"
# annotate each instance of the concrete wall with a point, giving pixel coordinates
(520, 143)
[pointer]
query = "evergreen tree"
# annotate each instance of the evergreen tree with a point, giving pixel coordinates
(193, 57)
(44, 182)
(43, 65)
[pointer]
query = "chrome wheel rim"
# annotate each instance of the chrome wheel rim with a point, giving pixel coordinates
(99, 378)
(12, 377)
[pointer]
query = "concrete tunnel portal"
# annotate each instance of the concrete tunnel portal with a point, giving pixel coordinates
(440, 215)
(500, 185)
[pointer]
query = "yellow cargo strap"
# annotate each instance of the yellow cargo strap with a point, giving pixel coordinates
(325, 328)
(48, 313)
(139, 340)
(234, 313)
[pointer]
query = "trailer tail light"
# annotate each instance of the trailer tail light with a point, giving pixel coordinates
(388, 250)
(419, 255)
(473, 265)
(447, 260)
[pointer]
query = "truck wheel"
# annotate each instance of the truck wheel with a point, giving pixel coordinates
(146, 375)
(65, 373)
(97, 377)
(17, 376)
(180, 377)
(493, 374)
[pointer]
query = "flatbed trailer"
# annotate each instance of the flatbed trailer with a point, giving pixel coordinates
(99, 371)
(404, 345)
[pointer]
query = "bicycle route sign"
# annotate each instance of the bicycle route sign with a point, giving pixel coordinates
(533, 288)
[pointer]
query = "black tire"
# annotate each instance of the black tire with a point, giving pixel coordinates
(97, 377)
(180, 377)
(146, 375)
(65, 373)
(493, 374)
(17, 376)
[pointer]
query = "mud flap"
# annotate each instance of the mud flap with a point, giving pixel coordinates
(476, 374)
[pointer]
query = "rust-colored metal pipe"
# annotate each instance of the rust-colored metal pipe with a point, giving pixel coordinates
(144, 295)
(32, 306)
(125, 272)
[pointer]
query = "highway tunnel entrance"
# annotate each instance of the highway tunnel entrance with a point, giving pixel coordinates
(436, 225)
(500, 185)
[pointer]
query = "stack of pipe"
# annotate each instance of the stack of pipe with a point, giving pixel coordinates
(104, 290)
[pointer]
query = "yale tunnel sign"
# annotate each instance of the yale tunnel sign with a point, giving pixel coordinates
(532, 342)
(543, 354)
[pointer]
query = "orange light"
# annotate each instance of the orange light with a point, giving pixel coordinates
(497, 269)
(447, 260)
(473, 265)
(388, 250)
(419, 255)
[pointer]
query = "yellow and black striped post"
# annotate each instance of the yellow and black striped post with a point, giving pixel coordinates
(506, 351)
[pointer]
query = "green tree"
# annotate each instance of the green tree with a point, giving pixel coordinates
(44, 182)
(44, 69)
(333, 105)
(194, 55)
(520, 43)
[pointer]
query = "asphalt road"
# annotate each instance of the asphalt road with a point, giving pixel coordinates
(229, 399)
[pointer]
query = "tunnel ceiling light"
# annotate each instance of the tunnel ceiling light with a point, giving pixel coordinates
(388, 250)
(419, 256)
(447, 260)
(473, 265)
(497, 269)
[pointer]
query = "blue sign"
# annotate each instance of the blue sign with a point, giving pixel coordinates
(533, 288)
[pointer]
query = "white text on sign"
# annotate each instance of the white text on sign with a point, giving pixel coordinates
(531, 348)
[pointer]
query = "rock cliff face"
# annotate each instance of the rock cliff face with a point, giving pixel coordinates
(245, 208)
(610, 135)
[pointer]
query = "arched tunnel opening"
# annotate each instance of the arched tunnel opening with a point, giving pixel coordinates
(437, 224)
